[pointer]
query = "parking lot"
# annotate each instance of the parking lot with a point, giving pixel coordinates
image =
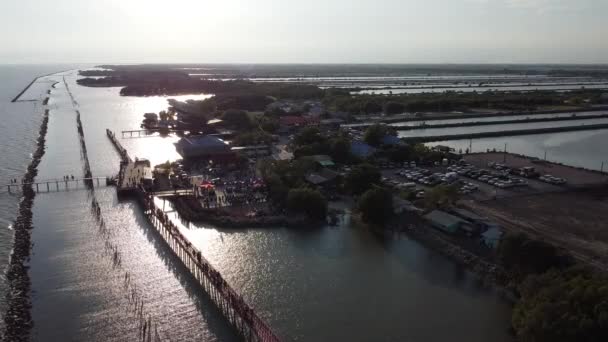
(495, 180)
(417, 179)
(572, 176)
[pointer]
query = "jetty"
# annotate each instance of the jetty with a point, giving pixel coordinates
(232, 305)
(124, 156)
(16, 98)
(136, 133)
(133, 174)
(56, 185)
(234, 308)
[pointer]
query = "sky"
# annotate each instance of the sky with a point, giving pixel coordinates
(304, 31)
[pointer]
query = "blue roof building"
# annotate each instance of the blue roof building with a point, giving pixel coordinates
(391, 140)
(361, 149)
(203, 146)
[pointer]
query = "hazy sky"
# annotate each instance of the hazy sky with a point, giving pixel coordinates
(310, 31)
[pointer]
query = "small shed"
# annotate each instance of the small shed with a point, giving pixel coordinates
(472, 218)
(444, 221)
(491, 237)
(323, 160)
(322, 178)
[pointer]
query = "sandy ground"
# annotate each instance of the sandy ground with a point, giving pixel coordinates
(574, 220)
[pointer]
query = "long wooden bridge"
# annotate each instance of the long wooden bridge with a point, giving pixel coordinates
(55, 185)
(232, 305)
(242, 316)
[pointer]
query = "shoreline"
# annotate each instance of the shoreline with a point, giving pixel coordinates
(492, 276)
(448, 115)
(543, 161)
(499, 122)
(215, 218)
(511, 133)
(18, 317)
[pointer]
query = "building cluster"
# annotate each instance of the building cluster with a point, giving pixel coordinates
(463, 222)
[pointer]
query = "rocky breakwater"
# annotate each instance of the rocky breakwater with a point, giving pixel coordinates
(18, 318)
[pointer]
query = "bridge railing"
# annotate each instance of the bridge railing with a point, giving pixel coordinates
(242, 316)
(49, 185)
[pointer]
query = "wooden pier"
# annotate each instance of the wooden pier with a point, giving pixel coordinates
(124, 156)
(174, 193)
(242, 317)
(137, 133)
(133, 174)
(55, 185)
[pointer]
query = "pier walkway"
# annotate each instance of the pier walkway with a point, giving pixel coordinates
(171, 193)
(136, 133)
(55, 185)
(132, 180)
(242, 317)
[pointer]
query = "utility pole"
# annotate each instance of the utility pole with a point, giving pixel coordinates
(504, 159)
(470, 145)
(545, 155)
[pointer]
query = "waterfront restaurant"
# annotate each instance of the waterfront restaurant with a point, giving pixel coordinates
(205, 147)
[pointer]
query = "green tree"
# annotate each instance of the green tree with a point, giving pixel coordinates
(372, 107)
(562, 306)
(391, 108)
(376, 206)
(440, 196)
(340, 150)
(361, 178)
(207, 107)
(522, 255)
(375, 133)
(400, 153)
(237, 119)
(308, 136)
(269, 124)
(163, 115)
(307, 201)
(252, 138)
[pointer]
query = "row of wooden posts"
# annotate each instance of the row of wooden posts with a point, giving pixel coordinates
(242, 317)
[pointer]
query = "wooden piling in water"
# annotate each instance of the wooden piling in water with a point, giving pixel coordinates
(232, 306)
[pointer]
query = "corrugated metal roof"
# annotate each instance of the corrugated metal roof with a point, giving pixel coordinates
(443, 219)
(467, 214)
(202, 141)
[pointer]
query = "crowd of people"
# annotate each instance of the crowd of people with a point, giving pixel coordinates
(232, 193)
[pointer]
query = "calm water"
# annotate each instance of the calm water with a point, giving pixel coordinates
(497, 128)
(497, 118)
(585, 148)
(326, 284)
(479, 89)
(19, 127)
